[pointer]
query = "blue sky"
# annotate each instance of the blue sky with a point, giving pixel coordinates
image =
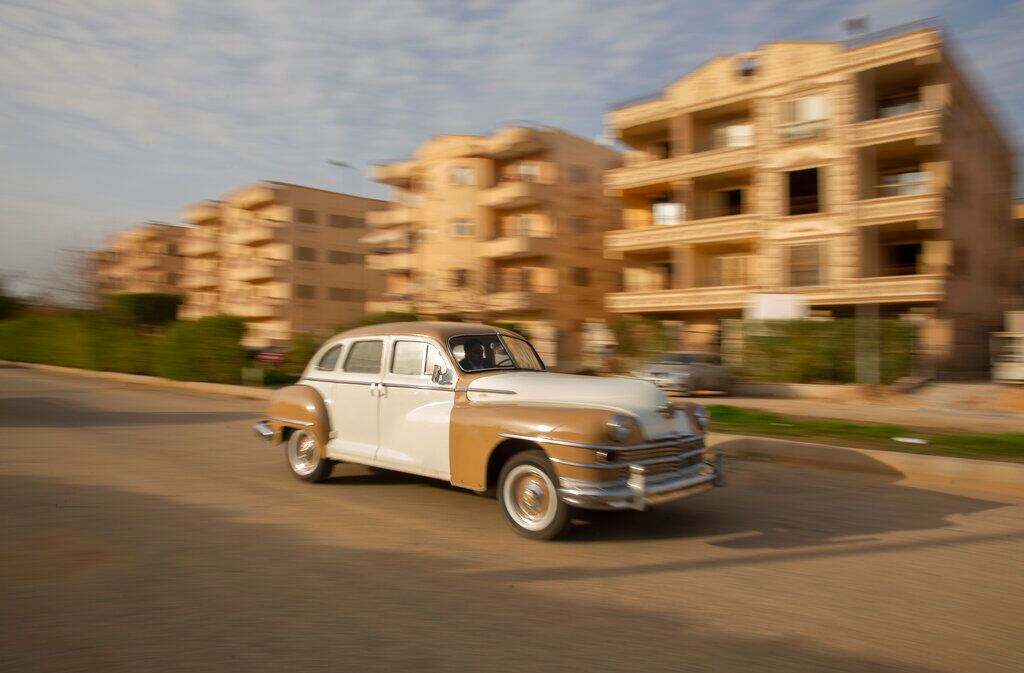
(118, 111)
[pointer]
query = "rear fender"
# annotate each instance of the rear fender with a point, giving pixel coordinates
(299, 407)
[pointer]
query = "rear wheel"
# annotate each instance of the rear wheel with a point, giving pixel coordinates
(302, 452)
(528, 496)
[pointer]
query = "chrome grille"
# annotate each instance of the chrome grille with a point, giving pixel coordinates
(662, 460)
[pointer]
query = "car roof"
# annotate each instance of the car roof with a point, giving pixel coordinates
(441, 331)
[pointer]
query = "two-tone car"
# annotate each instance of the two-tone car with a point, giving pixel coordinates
(474, 405)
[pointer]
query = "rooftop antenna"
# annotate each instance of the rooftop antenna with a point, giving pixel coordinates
(855, 25)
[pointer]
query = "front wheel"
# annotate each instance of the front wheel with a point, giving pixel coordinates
(303, 455)
(529, 498)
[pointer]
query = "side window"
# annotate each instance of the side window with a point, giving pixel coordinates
(364, 357)
(329, 360)
(408, 358)
(434, 358)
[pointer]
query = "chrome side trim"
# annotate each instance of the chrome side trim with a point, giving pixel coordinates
(486, 390)
(415, 386)
(660, 444)
(355, 383)
(280, 419)
(626, 463)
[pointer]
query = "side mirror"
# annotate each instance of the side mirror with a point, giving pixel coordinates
(436, 374)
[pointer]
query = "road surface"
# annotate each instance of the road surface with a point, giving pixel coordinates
(148, 530)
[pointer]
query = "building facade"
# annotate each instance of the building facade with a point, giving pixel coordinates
(505, 228)
(145, 258)
(287, 258)
(865, 176)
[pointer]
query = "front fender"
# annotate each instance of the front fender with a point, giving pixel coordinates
(300, 407)
(477, 430)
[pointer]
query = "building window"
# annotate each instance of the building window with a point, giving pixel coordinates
(345, 221)
(730, 202)
(524, 171)
(305, 292)
(462, 175)
(339, 257)
(460, 277)
(579, 174)
(345, 294)
(516, 225)
(733, 135)
(803, 265)
(462, 228)
(903, 183)
(305, 254)
(581, 276)
(172, 249)
(305, 216)
(665, 212)
(804, 197)
(581, 225)
(803, 117)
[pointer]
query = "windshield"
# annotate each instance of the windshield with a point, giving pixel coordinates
(687, 359)
(481, 352)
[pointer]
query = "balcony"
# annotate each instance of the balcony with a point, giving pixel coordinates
(512, 247)
(398, 174)
(915, 288)
(201, 213)
(676, 168)
(394, 261)
(679, 299)
(511, 142)
(259, 309)
(391, 306)
(199, 281)
(256, 233)
(253, 197)
(144, 260)
(256, 271)
(515, 194)
(640, 113)
(200, 246)
(912, 125)
(517, 301)
(694, 231)
(393, 216)
(902, 208)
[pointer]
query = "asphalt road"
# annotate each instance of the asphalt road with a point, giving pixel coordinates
(148, 530)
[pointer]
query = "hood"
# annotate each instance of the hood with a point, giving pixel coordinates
(637, 398)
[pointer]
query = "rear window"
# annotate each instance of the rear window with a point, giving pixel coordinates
(364, 357)
(329, 360)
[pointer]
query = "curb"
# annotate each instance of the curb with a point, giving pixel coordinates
(961, 473)
(244, 392)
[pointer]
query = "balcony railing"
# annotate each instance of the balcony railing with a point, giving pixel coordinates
(515, 194)
(901, 208)
(394, 216)
(680, 299)
(743, 226)
(518, 300)
(917, 124)
(199, 247)
(802, 130)
(679, 167)
(395, 261)
(517, 246)
(255, 271)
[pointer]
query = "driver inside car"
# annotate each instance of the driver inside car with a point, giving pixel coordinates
(475, 358)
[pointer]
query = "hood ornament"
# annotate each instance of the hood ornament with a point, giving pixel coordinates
(667, 410)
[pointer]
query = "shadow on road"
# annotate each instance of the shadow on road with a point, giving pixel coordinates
(124, 581)
(59, 412)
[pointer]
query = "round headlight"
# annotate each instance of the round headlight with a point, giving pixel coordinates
(702, 415)
(620, 426)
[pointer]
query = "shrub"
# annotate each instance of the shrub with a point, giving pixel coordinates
(640, 338)
(145, 308)
(207, 349)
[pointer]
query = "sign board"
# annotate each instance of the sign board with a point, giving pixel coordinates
(775, 307)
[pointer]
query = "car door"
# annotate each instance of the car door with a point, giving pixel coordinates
(354, 401)
(415, 411)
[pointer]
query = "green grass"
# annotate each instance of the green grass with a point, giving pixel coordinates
(1009, 447)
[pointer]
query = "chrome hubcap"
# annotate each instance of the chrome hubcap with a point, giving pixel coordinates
(302, 453)
(528, 496)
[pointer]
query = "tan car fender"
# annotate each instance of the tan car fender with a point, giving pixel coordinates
(479, 430)
(299, 407)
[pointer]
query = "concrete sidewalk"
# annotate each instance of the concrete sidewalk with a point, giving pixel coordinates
(906, 411)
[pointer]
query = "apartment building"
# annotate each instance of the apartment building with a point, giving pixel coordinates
(287, 258)
(865, 176)
(1018, 254)
(145, 258)
(505, 227)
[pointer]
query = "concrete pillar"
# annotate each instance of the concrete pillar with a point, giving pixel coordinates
(683, 263)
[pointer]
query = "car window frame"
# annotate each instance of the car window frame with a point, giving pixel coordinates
(380, 365)
(323, 353)
(431, 343)
(501, 338)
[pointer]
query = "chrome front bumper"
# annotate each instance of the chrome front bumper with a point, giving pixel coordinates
(263, 430)
(641, 491)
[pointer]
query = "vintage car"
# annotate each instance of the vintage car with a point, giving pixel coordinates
(474, 405)
(686, 371)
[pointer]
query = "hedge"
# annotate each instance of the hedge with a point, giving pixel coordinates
(145, 308)
(822, 351)
(204, 350)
